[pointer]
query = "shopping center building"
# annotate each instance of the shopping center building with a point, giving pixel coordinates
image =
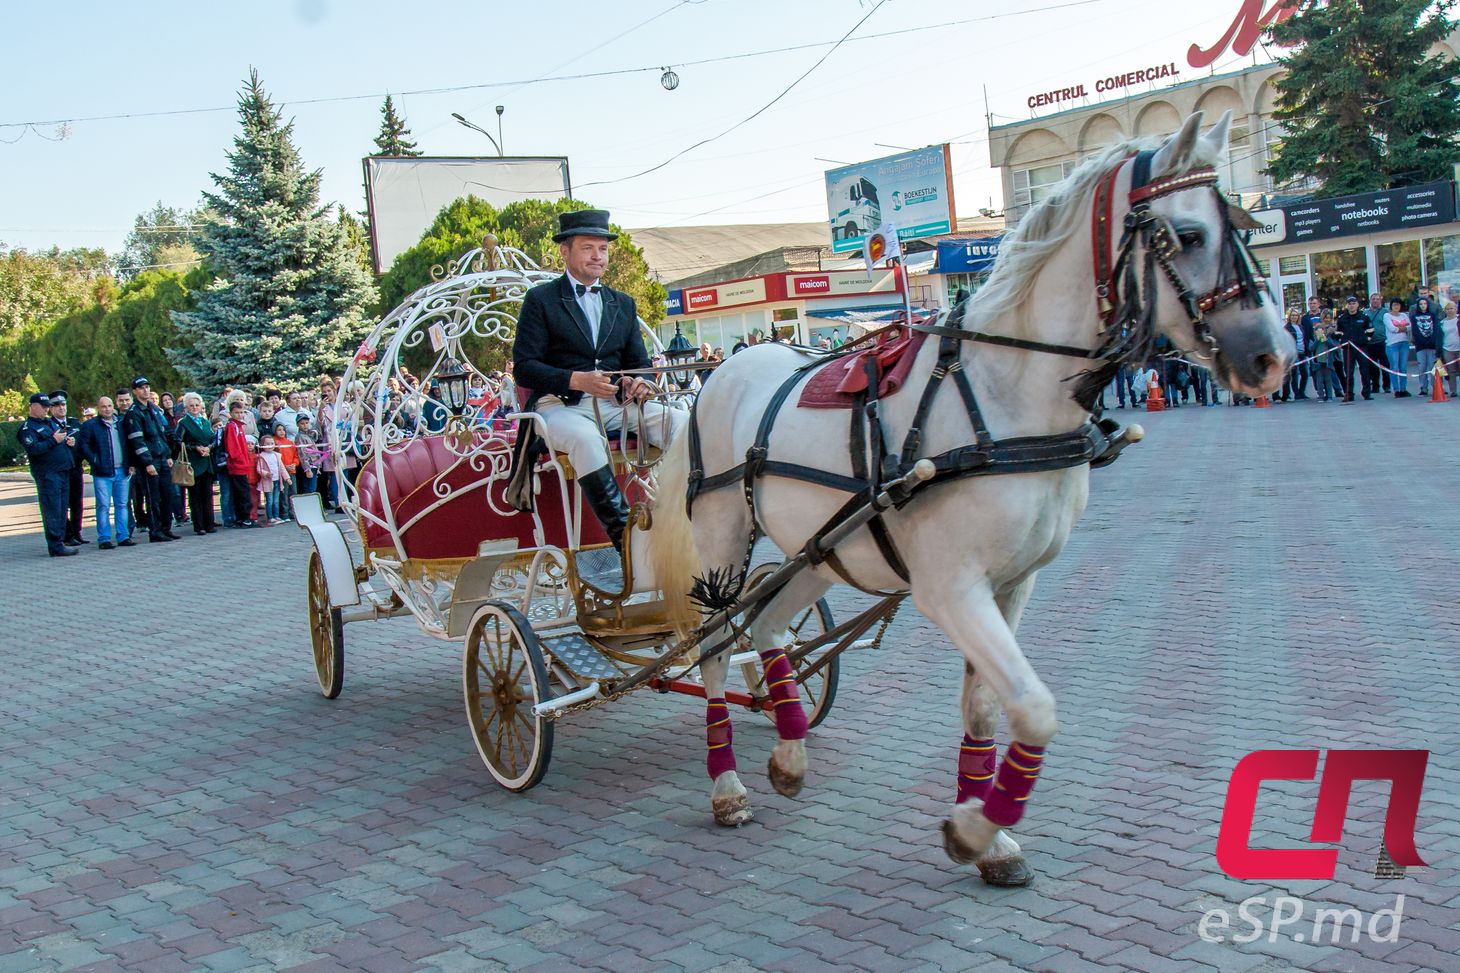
(1384, 243)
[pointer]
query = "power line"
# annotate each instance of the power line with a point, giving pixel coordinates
(562, 77)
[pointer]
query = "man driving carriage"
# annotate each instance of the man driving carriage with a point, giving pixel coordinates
(575, 338)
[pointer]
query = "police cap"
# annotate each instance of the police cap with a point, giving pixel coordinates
(40, 398)
(139, 381)
(57, 397)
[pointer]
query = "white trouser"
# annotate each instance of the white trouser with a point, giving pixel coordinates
(573, 429)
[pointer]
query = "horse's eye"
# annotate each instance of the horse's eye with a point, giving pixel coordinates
(1191, 238)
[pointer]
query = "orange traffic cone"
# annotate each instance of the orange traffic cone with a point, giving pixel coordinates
(1437, 384)
(1262, 402)
(1155, 401)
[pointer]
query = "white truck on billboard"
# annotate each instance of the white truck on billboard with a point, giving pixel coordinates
(912, 189)
(861, 210)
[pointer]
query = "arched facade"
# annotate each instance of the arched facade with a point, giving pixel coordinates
(1099, 133)
(1158, 118)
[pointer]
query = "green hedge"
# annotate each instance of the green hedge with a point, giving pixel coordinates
(11, 452)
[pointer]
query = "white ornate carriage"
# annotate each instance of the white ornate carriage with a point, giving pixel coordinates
(552, 620)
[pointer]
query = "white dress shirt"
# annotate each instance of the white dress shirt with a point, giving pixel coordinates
(591, 303)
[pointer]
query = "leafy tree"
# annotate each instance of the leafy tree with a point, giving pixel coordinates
(290, 297)
(93, 351)
(394, 138)
(529, 226)
(35, 290)
(160, 237)
(1363, 103)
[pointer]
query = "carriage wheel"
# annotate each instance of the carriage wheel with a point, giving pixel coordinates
(503, 676)
(326, 632)
(819, 691)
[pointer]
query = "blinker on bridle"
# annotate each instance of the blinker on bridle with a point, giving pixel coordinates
(1126, 304)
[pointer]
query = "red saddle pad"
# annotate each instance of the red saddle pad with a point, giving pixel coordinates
(833, 385)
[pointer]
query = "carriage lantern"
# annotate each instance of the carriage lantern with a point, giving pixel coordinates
(453, 378)
(678, 351)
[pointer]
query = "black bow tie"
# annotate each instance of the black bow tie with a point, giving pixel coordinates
(585, 289)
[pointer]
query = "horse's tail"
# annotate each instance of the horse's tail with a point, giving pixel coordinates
(672, 553)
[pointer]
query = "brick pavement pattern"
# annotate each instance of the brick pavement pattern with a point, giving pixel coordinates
(177, 796)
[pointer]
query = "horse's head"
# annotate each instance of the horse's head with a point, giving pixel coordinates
(1179, 265)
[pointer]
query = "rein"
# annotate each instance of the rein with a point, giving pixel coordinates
(1126, 302)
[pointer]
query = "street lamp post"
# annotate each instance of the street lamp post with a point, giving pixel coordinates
(477, 128)
(500, 141)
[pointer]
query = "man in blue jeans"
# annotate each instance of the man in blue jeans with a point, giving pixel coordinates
(100, 443)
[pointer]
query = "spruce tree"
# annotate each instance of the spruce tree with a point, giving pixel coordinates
(290, 296)
(394, 138)
(1364, 105)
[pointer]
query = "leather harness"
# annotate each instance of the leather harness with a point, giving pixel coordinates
(1124, 306)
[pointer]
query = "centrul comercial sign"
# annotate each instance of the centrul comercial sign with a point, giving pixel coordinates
(1240, 37)
(1324, 219)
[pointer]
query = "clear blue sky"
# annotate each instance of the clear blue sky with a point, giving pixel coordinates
(88, 58)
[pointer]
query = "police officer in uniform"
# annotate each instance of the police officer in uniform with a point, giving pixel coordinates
(49, 448)
(573, 335)
(150, 454)
(77, 486)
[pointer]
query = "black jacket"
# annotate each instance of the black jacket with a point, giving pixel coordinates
(553, 340)
(94, 441)
(37, 438)
(147, 435)
(1354, 327)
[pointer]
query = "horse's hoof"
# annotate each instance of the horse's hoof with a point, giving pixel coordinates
(732, 810)
(1006, 872)
(784, 783)
(957, 849)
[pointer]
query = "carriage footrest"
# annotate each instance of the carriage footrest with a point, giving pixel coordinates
(602, 568)
(581, 657)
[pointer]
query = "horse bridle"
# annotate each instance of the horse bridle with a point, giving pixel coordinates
(1127, 305)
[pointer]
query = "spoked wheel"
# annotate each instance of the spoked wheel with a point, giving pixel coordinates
(326, 632)
(504, 675)
(818, 692)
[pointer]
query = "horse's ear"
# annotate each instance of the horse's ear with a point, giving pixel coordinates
(1214, 142)
(1175, 155)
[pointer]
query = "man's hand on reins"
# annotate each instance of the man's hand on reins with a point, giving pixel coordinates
(596, 384)
(636, 389)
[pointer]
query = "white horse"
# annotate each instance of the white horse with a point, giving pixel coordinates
(972, 545)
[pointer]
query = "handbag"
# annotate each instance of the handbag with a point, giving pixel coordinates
(182, 470)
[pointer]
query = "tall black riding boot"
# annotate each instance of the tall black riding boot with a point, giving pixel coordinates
(607, 502)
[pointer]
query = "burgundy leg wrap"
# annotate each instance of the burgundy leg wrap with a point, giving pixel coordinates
(976, 760)
(1017, 775)
(721, 756)
(781, 686)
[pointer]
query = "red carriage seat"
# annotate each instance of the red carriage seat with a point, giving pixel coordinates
(457, 526)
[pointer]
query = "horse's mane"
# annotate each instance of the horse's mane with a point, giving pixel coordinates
(1049, 226)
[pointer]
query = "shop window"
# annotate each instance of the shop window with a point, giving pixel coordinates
(1398, 267)
(969, 282)
(1339, 273)
(1033, 185)
(1442, 266)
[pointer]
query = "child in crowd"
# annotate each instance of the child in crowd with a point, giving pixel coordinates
(307, 445)
(1325, 358)
(289, 457)
(271, 477)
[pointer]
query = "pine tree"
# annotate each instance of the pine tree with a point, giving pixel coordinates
(1364, 105)
(289, 301)
(394, 137)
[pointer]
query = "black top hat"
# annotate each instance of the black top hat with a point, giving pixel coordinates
(584, 222)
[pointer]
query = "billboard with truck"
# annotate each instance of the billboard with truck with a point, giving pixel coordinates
(912, 190)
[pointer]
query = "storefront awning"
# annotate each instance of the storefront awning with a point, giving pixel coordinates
(857, 315)
(921, 263)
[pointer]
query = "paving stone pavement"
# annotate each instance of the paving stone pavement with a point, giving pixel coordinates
(175, 794)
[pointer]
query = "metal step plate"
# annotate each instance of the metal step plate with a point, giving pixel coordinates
(602, 568)
(581, 656)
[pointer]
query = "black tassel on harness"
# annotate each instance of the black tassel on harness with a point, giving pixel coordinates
(717, 590)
